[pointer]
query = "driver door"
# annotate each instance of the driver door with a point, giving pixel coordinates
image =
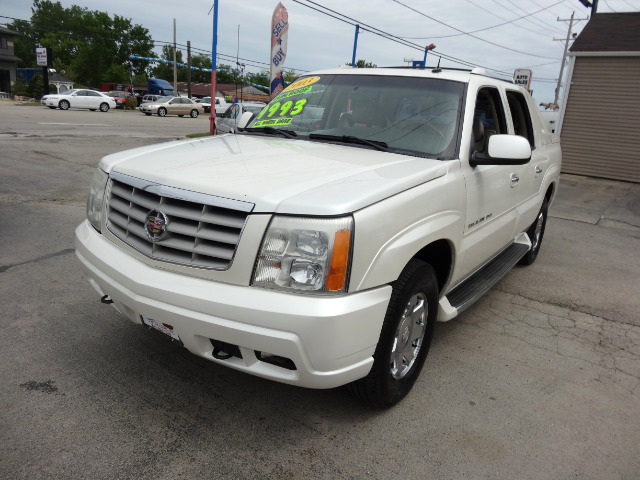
(493, 191)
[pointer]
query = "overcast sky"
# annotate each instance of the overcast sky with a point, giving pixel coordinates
(489, 33)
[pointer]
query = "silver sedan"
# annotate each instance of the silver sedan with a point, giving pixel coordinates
(180, 106)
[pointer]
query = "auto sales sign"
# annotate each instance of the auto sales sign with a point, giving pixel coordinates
(522, 77)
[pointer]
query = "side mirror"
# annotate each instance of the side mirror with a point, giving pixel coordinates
(245, 118)
(503, 150)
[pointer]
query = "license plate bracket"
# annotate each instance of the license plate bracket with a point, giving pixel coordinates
(163, 328)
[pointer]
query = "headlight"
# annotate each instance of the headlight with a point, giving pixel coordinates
(96, 198)
(305, 254)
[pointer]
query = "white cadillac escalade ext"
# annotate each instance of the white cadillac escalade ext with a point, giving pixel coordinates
(319, 246)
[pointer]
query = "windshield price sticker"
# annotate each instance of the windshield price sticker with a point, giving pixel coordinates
(274, 113)
(272, 122)
(303, 82)
(291, 94)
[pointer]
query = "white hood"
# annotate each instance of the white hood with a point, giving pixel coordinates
(277, 174)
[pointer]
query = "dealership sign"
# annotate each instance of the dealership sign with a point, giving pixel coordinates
(41, 56)
(522, 77)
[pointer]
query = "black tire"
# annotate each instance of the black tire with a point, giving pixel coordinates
(194, 113)
(104, 107)
(162, 112)
(64, 105)
(405, 338)
(535, 233)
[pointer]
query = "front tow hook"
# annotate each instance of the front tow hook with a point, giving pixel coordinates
(106, 299)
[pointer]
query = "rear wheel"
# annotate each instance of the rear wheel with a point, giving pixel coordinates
(64, 105)
(162, 112)
(535, 234)
(194, 113)
(405, 337)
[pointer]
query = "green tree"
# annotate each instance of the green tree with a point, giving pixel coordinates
(363, 64)
(19, 87)
(165, 70)
(35, 87)
(85, 44)
(201, 61)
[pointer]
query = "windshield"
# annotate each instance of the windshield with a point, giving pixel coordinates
(404, 114)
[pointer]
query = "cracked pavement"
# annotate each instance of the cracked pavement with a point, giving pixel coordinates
(537, 380)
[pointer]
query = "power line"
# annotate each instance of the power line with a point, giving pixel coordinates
(394, 38)
(469, 34)
(535, 21)
(498, 25)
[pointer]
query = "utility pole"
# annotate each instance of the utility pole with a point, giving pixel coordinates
(214, 46)
(189, 68)
(175, 68)
(566, 49)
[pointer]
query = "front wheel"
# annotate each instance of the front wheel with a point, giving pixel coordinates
(64, 105)
(194, 113)
(535, 234)
(104, 107)
(162, 112)
(405, 337)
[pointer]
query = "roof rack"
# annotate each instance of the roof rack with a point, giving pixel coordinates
(437, 69)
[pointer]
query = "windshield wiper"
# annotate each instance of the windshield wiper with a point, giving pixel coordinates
(272, 131)
(382, 146)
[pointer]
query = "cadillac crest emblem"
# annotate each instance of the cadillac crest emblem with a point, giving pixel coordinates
(155, 225)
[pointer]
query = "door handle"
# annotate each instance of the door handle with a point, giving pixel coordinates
(514, 180)
(538, 171)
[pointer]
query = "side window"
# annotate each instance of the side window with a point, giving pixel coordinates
(520, 117)
(489, 118)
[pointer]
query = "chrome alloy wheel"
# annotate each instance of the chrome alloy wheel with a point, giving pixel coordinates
(409, 336)
(535, 241)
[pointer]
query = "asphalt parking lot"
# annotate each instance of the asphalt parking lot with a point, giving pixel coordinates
(538, 380)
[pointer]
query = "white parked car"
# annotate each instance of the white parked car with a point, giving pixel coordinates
(228, 121)
(79, 98)
(318, 246)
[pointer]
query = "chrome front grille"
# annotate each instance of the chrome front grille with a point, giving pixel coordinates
(202, 230)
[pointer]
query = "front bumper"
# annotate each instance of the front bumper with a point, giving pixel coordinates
(330, 340)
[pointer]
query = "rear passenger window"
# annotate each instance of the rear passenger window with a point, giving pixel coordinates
(520, 116)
